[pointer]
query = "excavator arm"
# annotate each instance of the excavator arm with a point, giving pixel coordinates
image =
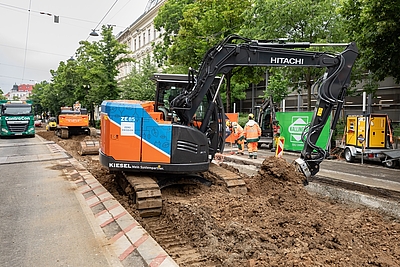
(237, 51)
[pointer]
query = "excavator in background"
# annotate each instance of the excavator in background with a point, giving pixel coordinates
(265, 117)
(75, 121)
(152, 144)
(51, 124)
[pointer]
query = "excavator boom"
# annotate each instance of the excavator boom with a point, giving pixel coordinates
(236, 51)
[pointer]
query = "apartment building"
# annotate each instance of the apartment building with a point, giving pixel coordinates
(20, 92)
(140, 36)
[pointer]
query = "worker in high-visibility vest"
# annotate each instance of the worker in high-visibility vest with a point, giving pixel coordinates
(239, 138)
(252, 133)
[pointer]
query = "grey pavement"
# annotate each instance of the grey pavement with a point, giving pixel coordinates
(53, 213)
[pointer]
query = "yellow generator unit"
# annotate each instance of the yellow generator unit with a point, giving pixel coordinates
(368, 131)
(369, 137)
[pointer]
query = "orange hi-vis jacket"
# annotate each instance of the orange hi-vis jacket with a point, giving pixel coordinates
(237, 131)
(252, 131)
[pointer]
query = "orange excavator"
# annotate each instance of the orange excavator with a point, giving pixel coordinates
(75, 121)
(148, 143)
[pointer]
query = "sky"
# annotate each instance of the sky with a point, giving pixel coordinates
(31, 43)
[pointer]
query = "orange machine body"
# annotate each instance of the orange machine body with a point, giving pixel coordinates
(73, 120)
(134, 137)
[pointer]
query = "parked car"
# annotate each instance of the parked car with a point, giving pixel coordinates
(38, 123)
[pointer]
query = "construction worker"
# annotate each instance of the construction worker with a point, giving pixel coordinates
(252, 133)
(239, 138)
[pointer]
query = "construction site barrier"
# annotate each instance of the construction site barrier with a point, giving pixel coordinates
(280, 141)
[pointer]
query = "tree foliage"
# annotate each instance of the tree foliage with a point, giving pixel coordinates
(89, 79)
(375, 27)
(138, 84)
(196, 27)
(98, 67)
(167, 21)
(277, 86)
(2, 97)
(297, 21)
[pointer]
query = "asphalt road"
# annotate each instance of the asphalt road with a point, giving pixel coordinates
(38, 226)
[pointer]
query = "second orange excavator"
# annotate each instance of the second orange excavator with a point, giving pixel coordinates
(75, 121)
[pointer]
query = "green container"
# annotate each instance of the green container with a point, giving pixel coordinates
(292, 125)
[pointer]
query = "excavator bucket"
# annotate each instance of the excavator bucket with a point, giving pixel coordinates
(89, 146)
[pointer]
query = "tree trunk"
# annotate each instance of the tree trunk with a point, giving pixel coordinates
(92, 123)
(228, 91)
(308, 84)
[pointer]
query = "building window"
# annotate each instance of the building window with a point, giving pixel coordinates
(139, 41)
(148, 34)
(134, 45)
(144, 38)
(155, 34)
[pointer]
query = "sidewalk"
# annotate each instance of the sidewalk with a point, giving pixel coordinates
(69, 218)
(126, 237)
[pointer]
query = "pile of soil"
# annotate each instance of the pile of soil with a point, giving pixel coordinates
(278, 223)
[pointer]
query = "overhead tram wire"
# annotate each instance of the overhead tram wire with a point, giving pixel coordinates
(26, 39)
(103, 17)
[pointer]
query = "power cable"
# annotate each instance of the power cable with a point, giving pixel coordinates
(41, 12)
(106, 14)
(26, 39)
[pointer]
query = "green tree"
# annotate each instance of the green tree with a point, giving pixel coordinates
(298, 21)
(196, 26)
(138, 84)
(167, 21)
(65, 81)
(374, 25)
(2, 97)
(98, 67)
(277, 86)
(44, 94)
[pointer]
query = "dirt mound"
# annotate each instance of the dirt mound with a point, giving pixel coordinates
(278, 223)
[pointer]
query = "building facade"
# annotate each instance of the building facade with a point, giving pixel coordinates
(20, 92)
(140, 37)
(385, 101)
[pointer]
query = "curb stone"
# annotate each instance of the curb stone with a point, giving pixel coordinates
(127, 238)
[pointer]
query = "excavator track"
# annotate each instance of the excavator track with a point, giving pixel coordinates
(234, 183)
(183, 253)
(144, 191)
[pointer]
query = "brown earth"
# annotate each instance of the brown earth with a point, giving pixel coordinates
(278, 223)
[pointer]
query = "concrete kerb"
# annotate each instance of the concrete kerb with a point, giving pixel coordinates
(129, 242)
(388, 206)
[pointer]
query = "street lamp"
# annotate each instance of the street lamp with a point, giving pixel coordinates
(94, 33)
